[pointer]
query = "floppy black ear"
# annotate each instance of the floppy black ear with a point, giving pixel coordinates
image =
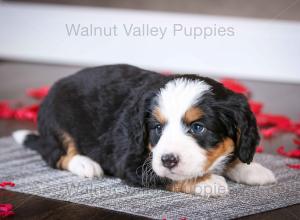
(247, 137)
(131, 138)
(241, 125)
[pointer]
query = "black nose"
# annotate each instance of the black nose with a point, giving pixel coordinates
(169, 160)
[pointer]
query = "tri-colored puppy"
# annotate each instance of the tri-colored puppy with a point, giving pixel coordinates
(179, 132)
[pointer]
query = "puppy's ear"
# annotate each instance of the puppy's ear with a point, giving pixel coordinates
(131, 137)
(241, 125)
(247, 131)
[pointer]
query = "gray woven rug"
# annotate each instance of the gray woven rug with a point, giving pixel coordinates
(33, 176)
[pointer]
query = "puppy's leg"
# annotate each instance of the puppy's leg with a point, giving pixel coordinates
(48, 147)
(208, 185)
(74, 162)
(251, 174)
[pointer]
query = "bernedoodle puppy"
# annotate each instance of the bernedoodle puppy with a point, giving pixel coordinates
(182, 133)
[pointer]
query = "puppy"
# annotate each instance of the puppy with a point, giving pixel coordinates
(182, 133)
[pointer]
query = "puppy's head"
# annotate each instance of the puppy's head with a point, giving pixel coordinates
(195, 125)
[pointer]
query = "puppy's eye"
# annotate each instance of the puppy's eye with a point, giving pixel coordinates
(197, 128)
(158, 129)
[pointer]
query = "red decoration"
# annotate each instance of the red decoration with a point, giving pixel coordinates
(27, 113)
(294, 166)
(256, 107)
(269, 132)
(279, 121)
(3, 184)
(6, 209)
(23, 113)
(38, 93)
(5, 111)
(260, 149)
(293, 153)
(297, 142)
(235, 86)
(296, 128)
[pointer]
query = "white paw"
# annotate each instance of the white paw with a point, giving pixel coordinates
(20, 135)
(251, 174)
(214, 186)
(84, 167)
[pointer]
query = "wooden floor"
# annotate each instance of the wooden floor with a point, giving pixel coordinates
(15, 78)
(35, 207)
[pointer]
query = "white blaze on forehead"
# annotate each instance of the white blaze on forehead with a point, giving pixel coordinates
(179, 95)
(173, 101)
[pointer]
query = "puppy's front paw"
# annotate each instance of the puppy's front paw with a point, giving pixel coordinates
(214, 186)
(84, 167)
(252, 174)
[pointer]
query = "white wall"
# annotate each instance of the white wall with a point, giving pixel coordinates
(259, 49)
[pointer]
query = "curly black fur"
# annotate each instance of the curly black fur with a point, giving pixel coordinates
(106, 110)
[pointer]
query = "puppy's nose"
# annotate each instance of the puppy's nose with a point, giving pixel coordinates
(169, 160)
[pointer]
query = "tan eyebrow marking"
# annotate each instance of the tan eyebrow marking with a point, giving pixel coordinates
(159, 116)
(192, 114)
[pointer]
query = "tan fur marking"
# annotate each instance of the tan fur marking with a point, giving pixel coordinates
(192, 114)
(223, 148)
(71, 150)
(150, 147)
(187, 186)
(159, 116)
